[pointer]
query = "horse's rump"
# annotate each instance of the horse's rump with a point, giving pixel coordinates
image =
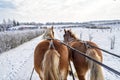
(81, 63)
(51, 63)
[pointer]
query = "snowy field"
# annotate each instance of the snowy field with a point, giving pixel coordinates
(17, 63)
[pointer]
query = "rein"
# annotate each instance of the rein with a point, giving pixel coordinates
(83, 54)
(51, 44)
(103, 65)
(69, 62)
(31, 74)
(91, 46)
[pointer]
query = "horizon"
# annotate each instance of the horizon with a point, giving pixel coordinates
(44, 11)
(66, 21)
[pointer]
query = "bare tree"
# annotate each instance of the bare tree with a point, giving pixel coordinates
(4, 25)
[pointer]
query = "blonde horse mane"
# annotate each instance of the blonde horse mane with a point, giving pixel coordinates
(48, 33)
(71, 33)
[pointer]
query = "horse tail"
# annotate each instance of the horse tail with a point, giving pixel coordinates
(95, 69)
(51, 65)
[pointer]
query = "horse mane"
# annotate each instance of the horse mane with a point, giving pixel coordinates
(72, 35)
(48, 33)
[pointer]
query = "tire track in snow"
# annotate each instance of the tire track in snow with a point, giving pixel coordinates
(13, 62)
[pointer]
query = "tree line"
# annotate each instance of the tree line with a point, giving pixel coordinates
(7, 24)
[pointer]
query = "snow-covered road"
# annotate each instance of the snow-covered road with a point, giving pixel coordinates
(17, 63)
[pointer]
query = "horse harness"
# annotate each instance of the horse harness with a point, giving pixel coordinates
(51, 44)
(72, 40)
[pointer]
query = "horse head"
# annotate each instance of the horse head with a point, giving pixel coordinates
(69, 36)
(49, 33)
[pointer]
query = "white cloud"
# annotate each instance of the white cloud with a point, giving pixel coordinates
(63, 10)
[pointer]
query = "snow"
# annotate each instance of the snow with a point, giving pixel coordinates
(17, 64)
(16, 61)
(11, 39)
(23, 26)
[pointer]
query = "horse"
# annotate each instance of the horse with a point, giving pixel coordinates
(82, 64)
(51, 59)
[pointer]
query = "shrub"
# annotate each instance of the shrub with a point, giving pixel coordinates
(12, 39)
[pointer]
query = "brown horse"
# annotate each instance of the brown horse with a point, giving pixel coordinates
(51, 58)
(82, 64)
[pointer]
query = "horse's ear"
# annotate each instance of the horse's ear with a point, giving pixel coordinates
(65, 30)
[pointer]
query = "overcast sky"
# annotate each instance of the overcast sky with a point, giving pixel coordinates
(59, 10)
